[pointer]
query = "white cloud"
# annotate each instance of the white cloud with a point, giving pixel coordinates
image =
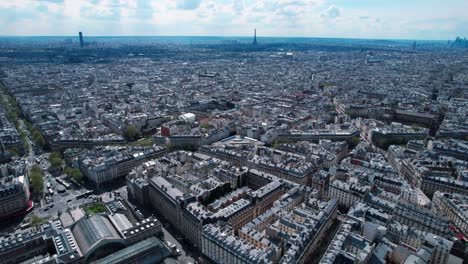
(322, 18)
(331, 12)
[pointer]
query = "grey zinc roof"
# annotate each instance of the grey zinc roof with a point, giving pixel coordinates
(152, 244)
(90, 231)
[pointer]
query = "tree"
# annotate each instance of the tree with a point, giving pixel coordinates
(36, 134)
(67, 170)
(38, 137)
(56, 162)
(55, 155)
(37, 220)
(28, 125)
(77, 175)
(165, 119)
(131, 133)
(36, 168)
(14, 151)
(41, 141)
(168, 147)
(74, 173)
(37, 183)
(353, 142)
(276, 145)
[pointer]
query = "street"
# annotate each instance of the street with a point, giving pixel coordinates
(186, 257)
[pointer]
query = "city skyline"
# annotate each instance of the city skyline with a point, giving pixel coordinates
(419, 20)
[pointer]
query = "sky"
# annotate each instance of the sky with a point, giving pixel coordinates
(382, 19)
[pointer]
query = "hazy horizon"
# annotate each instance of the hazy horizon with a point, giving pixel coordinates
(221, 37)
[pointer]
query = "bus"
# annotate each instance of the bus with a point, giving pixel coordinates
(84, 195)
(25, 225)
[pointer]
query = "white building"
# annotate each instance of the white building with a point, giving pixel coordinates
(347, 194)
(439, 248)
(454, 207)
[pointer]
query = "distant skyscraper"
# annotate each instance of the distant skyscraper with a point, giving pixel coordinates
(255, 37)
(81, 40)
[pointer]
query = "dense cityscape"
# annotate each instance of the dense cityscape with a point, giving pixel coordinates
(233, 150)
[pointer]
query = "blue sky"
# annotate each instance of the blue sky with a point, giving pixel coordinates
(389, 19)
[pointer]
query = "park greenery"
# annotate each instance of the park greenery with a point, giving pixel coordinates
(352, 142)
(143, 142)
(323, 85)
(387, 142)
(37, 180)
(206, 126)
(278, 142)
(94, 209)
